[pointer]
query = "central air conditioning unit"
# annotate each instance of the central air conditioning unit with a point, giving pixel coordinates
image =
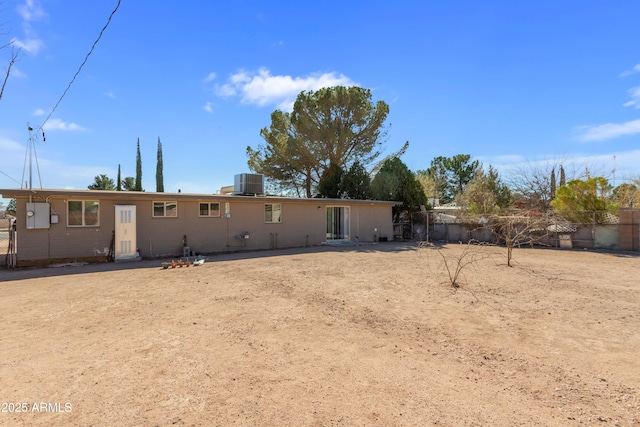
(248, 184)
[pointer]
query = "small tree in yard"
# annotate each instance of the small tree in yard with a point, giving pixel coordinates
(515, 231)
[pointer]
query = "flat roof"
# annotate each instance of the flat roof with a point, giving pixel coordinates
(47, 193)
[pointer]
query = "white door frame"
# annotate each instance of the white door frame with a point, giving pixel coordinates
(338, 222)
(125, 233)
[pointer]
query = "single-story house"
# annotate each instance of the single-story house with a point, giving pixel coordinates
(54, 226)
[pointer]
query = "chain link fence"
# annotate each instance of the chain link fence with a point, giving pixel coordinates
(614, 230)
(7, 242)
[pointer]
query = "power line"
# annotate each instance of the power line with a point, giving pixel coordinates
(86, 58)
(81, 65)
(11, 178)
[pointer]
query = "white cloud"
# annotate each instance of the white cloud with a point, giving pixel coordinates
(620, 166)
(16, 72)
(507, 159)
(111, 95)
(634, 70)
(635, 98)
(210, 77)
(30, 45)
(225, 91)
(608, 131)
(575, 165)
(7, 144)
(208, 107)
(38, 112)
(30, 11)
(57, 124)
(261, 88)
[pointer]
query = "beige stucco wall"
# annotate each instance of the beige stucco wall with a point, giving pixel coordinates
(303, 224)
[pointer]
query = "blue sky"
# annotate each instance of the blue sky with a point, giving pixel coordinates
(509, 82)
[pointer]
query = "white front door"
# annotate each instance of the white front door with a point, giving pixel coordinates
(125, 232)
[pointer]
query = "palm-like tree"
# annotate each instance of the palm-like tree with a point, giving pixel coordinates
(102, 182)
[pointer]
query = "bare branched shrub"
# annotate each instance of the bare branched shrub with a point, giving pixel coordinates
(520, 230)
(456, 262)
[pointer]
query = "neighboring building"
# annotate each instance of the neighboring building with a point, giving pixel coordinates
(56, 226)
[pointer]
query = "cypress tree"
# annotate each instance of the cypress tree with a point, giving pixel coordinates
(138, 186)
(159, 177)
(562, 178)
(553, 183)
(119, 181)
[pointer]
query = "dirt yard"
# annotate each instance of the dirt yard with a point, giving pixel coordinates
(371, 335)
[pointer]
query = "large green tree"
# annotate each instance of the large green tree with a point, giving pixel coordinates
(284, 159)
(451, 175)
(394, 181)
(332, 126)
(102, 182)
(330, 182)
(486, 194)
(356, 183)
(434, 184)
(159, 167)
(582, 201)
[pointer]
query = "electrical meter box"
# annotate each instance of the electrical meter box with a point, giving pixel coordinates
(38, 215)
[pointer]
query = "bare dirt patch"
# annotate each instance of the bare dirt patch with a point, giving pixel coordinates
(361, 335)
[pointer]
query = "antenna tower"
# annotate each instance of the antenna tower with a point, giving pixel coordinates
(31, 156)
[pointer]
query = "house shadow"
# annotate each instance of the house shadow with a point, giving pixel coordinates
(23, 273)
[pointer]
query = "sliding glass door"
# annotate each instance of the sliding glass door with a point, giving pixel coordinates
(337, 223)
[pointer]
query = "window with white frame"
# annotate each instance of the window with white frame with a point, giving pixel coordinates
(273, 212)
(210, 209)
(83, 213)
(165, 209)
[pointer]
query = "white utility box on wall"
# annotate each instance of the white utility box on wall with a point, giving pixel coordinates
(38, 215)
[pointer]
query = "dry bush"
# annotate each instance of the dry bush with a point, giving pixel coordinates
(456, 263)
